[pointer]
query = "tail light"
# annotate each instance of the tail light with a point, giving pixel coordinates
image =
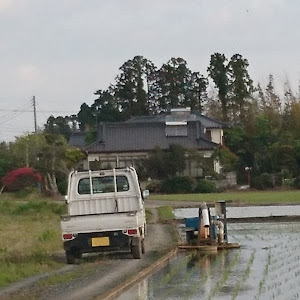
(68, 236)
(132, 231)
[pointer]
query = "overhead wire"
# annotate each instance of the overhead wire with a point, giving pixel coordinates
(26, 106)
(45, 111)
(11, 114)
(20, 107)
(9, 117)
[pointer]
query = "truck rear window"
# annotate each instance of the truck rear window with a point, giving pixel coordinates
(103, 185)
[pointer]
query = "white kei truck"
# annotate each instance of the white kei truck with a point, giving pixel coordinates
(105, 212)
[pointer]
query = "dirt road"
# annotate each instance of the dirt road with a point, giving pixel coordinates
(98, 273)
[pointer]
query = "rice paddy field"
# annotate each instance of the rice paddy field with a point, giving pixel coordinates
(267, 266)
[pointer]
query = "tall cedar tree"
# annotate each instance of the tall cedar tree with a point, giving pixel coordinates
(218, 71)
(240, 87)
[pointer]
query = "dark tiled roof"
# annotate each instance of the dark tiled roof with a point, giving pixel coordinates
(193, 116)
(77, 139)
(144, 136)
(209, 122)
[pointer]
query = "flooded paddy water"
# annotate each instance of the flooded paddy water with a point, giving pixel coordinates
(267, 266)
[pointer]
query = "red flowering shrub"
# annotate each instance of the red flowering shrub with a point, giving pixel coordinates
(21, 178)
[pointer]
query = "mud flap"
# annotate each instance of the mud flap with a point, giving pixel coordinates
(135, 241)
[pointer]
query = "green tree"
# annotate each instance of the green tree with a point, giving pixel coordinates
(129, 89)
(154, 164)
(226, 157)
(174, 160)
(240, 86)
(7, 161)
(105, 107)
(27, 150)
(59, 125)
(86, 117)
(165, 163)
(197, 92)
(47, 153)
(218, 72)
(272, 109)
(172, 80)
(263, 146)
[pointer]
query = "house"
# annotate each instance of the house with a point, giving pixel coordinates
(121, 144)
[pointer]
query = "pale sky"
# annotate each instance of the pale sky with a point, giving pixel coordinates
(62, 51)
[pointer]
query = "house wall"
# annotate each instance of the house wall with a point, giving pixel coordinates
(230, 181)
(114, 160)
(217, 135)
(120, 160)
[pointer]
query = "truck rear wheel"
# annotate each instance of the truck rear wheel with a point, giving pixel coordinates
(136, 250)
(70, 257)
(73, 256)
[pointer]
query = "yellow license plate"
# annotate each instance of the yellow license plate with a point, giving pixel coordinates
(100, 241)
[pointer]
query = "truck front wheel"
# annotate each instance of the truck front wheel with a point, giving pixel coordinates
(143, 246)
(136, 249)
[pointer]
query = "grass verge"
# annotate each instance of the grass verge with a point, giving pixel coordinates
(165, 213)
(243, 197)
(30, 235)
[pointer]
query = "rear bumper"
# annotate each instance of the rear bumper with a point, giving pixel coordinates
(87, 242)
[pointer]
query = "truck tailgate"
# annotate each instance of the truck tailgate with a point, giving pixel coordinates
(101, 222)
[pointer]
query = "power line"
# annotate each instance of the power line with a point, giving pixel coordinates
(8, 117)
(44, 111)
(21, 107)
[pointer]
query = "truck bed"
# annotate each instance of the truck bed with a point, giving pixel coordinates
(101, 222)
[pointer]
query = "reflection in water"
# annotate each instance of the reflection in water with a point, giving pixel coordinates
(266, 266)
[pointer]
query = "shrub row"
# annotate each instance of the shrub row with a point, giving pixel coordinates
(267, 181)
(181, 185)
(184, 184)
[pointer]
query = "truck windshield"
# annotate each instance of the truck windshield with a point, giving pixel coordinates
(103, 185)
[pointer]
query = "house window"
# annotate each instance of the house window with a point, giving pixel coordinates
(208, 135)
(176, 129)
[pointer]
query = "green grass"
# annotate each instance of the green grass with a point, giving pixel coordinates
(30, 235)
(68, 276)
(250, 197)
(13, 270)
(165, 213)
(148, 215)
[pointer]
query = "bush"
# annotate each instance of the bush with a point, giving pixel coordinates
(177, 185)
(297, 182)
(62, 186)
(205, 186)
(263, 181)
(154, 186)
(21, 178)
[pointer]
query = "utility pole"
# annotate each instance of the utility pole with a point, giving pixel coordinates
(34, 114)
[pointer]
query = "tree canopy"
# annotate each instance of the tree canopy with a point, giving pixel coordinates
(264, 133)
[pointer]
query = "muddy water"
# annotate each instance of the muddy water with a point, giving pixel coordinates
(267, 266)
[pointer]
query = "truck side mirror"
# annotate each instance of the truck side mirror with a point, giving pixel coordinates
(146, 193)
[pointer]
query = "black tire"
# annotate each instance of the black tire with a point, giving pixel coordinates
(77, 253)
(136, 250)
(70, 257)
(143, 246)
